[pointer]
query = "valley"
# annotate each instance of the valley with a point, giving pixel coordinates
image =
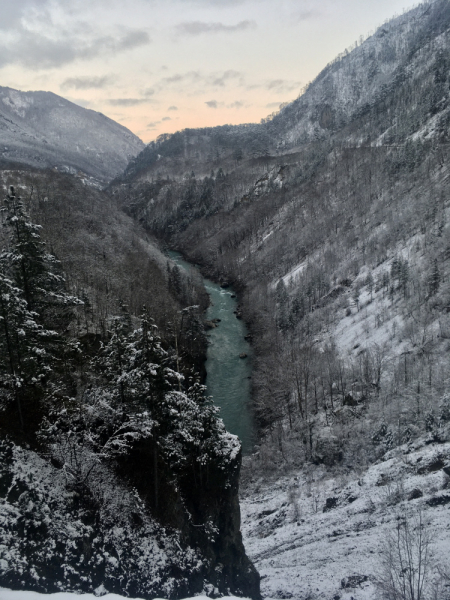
(330, 223)
(228, 362)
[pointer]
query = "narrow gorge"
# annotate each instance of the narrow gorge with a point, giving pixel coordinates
(229, 359)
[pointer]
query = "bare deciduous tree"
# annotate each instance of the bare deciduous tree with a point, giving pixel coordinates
(405, 561)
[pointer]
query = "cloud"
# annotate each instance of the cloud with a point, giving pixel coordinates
(35, 50)
(195, 28)
(282, 85)
(133, 39)
(194, 83)
(154, 124)
(10, 12)
(221, 80)
(177, 78)
(173, 108)
(211, 79)
(213, 104)
(275, 83)
(305, 15)
(86, 83)
(236, 104)
(128, 101)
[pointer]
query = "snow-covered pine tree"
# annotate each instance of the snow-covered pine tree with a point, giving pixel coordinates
(25, 363)
(33, 269)
(112, 360)
(143, 372)
(35, 312)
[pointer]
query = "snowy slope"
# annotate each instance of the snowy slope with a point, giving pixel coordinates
(63, 549)
(10, 595)
(317, 534)
(363, 74)
(44, 130)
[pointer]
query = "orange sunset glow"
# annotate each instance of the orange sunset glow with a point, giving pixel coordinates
(157, 67)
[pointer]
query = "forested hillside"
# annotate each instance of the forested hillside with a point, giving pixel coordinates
(104, 420)
(336, 233)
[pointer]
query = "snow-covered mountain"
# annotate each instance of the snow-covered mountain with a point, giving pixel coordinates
(44, 130)
(382, 91)
(402, 54)
(332, 220)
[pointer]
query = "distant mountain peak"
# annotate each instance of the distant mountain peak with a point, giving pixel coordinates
(44, 130)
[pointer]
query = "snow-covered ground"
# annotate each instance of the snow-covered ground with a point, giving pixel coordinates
(316, 534)
(313, 535)
(9, 595)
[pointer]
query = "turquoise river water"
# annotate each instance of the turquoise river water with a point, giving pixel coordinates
(228, 378)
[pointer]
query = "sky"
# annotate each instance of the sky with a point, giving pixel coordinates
(158, 66)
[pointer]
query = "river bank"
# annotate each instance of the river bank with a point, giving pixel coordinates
(229, 359)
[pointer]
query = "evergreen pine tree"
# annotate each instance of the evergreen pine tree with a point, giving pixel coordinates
(434, 279)
(34, 310)
(112, 360)
(33, 269)
(25, 363)
(143, 371)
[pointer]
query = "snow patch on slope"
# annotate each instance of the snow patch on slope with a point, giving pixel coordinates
(316, 535)
(21, 595)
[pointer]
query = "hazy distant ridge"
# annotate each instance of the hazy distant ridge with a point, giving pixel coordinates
(43, 130)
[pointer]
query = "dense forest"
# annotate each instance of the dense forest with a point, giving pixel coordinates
(111, 404)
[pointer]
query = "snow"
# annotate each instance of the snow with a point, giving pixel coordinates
(20, 595)
(60, 127)
(30, 478)
(377, 321)
(305, 547)
(18, 102)
(360, 329)
(295, 272)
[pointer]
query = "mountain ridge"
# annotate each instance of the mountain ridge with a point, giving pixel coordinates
(337, 241)
(349, 88)
(332, 220)
(45, 130)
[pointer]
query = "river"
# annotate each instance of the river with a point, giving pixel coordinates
(228, 378)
